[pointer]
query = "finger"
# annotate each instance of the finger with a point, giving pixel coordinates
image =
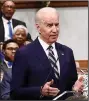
(56, 91)
(53, 93)
(80, 90)
(53, 89)
(50, 82)
(81, 78)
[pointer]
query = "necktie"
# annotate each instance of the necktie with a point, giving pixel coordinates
(10, 29)
(53, 61)
(10, 63)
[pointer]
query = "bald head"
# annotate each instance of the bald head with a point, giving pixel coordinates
(47, 24)
(45, 12)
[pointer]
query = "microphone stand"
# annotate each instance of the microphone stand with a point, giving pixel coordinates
(66, 92)
(60, 95)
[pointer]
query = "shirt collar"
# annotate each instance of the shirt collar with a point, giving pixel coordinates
(7, 63)
(44, 44)
(5, 20)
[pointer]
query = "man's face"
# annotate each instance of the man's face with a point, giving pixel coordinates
(49, 28)
(10, 51)
(8, 9)
(20, 36)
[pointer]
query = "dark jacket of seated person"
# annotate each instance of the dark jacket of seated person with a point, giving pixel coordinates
(5, 85)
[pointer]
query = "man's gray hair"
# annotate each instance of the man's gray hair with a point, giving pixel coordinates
(41, 13)
(20, 27)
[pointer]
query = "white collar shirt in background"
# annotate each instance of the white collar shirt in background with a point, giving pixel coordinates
(6, 29)
(45, 48)
(7, 64)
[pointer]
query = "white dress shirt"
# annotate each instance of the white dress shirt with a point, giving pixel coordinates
(45, 47)
(6, 29)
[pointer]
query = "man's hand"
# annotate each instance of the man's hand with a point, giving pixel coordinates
(47, 90)
(78, 86)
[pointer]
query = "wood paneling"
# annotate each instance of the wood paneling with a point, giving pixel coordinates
(69, 4)
(38, 4)
(83, 64)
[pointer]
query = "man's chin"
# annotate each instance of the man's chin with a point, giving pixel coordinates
(8, 17)
(54, 40)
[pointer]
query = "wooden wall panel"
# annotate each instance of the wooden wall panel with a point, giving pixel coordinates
(22, 4)
(83, 64)
(69, 4)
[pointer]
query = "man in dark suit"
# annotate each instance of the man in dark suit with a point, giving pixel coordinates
(7, 10)
(35, 73)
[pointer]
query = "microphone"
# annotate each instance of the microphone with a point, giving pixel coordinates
(60, 95)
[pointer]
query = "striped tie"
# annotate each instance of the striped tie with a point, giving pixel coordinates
(53, 61)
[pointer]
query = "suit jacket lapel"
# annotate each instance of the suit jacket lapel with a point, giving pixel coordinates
(13, 23)
(41, 55)
(61, 57)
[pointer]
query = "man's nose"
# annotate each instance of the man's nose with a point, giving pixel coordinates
(20, 36)
(14, 50)
(9, 8)
(54, 28)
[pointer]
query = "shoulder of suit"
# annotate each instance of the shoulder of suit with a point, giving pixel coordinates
(63, 46)
(9, 71)
(18, 20)
(8, 74)
(3, 66)
(0, 19)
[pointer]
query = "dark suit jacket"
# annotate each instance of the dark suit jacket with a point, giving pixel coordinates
(5, 85)
(31, 69)
(3, 66)
(3, 89)
(14, 22)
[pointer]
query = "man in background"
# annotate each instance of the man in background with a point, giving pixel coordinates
(9, 49)
(44, 68)
(7, 23)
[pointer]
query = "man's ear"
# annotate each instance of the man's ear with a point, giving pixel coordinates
(38, 27)
(2, 9)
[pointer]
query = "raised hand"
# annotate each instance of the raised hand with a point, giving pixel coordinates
(47, 90)
(78, 86)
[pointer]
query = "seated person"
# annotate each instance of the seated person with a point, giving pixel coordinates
(9, 48)
(5, 84)
(20, 33)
